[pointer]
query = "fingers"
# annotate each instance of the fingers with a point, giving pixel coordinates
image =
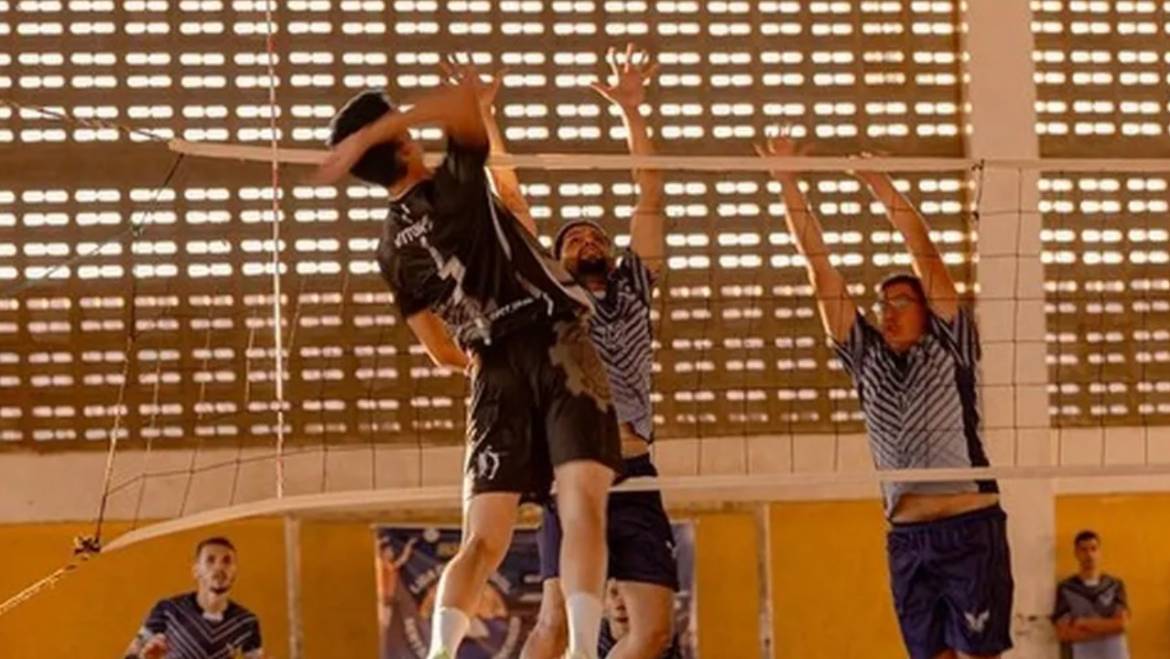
(649, 72)
(611, 59)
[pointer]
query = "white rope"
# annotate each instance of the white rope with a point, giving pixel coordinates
(742, 163)
(277, 302)
(744, 488)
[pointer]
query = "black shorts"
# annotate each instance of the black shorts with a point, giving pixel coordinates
(638, 534)
(952, 583)
(539, 398)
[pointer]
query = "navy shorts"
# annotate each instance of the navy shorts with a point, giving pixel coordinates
(539, 399)
(638, 534)
(952, 583)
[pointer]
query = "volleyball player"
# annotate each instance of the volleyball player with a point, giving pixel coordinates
(204, 624)
(641, 545)
(916, 377)
(458, 261)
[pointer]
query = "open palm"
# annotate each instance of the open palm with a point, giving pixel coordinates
(781, 146)
(460, 73)
(629, 77)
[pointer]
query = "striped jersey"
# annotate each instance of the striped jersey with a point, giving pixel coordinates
(192, 634)
(921, 408)
(621, 332)
(1104, 599)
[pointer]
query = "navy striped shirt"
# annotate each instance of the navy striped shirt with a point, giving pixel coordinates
(192, 635)
(621, 332)
(921, 408)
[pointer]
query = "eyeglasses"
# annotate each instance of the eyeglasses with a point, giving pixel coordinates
(896, 303)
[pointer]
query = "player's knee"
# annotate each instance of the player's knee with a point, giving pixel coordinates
(652, 639)
(551, 622)
(484, 548)
(580, 508)
(547, 640)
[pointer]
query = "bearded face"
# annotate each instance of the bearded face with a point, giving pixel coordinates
(215, 569)
(587, 253)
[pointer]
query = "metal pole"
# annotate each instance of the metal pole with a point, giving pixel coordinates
(764, 570)
(292, 586)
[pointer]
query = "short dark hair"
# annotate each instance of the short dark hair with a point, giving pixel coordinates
(381, 164)
(1085, 536)
(905, 278)
(214, 541)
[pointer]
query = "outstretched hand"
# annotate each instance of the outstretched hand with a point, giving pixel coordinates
(456, 73)
(868, 176)
(782, 146)
(629, 76)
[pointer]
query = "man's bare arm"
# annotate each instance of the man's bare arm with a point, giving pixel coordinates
(628, 92)
(928, 263)
(504, 177)
(454, 108)
(838, 311)
(432, 334)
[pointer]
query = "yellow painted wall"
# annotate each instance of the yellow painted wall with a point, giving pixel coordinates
(830, 589)
(94, 612)
(828, 567)
(1135, 537)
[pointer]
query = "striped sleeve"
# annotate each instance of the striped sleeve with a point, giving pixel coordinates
(961, 334)
(1062, 608)
(862, 336)
(635, 273)
(253, 642)
(156, 620)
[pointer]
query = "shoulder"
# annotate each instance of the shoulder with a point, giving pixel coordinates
(181, 601)
(237, 610)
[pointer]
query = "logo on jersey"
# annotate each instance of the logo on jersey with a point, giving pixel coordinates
(414, 232)
(584, 372)
(976, 622)
(487, 464)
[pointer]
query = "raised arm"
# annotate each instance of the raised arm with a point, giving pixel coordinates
(455, 108)
(504, 177)
(838, 311)
(628, 91)
(928, 262)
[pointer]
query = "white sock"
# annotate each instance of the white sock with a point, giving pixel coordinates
(448, 628)
(584, 611)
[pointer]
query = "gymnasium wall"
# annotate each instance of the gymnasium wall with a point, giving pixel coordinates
(827, 562)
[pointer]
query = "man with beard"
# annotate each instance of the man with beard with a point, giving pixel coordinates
(204, 624)
(641, 545)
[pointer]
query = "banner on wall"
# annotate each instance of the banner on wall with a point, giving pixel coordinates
(410, 560)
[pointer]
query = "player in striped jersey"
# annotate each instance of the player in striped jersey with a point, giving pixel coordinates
(640, 542)
(916, 378)
(204, 624)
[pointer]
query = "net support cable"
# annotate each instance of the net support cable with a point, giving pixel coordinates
(728, 163)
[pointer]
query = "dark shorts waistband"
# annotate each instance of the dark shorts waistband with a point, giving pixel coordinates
(637, 466)
(994, 511)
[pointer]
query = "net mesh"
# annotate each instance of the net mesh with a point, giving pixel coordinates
(137, 298)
